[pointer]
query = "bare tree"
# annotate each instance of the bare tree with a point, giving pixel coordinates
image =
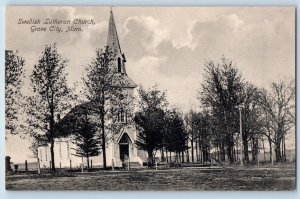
(279, 110)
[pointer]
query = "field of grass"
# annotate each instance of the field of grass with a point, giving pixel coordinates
(280, 177)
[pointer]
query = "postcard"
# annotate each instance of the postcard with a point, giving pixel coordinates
(150, 98)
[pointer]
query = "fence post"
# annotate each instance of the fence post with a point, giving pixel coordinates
(7, 164)
(91, 164)
(50, 165)
(26, 166)
(70, 164)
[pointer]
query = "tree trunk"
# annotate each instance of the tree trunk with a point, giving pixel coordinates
(162, 155)
(271, 150)
(234, 154)
(150, 159)
(223, 152)
(254, 149)
(167, 156)
(264, 149)
(102, 115)
(283, 150)
(196, 146)
(52, 156)
(218, 151)
(278, 151)
(229, 151)
(103, 142)
(187, 155)
(246, 154)
(88, 162)
(192, 148)
(201, 154)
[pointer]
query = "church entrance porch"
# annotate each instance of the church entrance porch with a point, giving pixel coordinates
(124, 147)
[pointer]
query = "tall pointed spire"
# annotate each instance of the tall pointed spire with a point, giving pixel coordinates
(112, 37)
(119, 68)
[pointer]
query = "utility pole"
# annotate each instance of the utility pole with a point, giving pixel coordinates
(241, 134)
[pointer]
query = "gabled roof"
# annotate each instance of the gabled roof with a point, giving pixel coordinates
(123, 81)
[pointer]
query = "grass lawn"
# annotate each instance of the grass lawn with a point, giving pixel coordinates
(280, 177)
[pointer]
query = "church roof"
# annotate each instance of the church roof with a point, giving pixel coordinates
(75, 118)
(122, 80)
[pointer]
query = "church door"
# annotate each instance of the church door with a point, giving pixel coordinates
(124, 151)
(124, 147)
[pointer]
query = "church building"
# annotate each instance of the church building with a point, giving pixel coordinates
(121, 147)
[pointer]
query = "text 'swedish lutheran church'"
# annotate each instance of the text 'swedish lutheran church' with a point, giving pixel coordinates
(123, 144)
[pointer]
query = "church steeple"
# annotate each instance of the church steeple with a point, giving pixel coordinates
(112, 37)
(119, 68)
(114, 44)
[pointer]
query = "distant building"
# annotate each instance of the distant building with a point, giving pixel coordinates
(122, 146)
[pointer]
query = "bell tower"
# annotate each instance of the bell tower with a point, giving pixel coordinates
(122, 148)
(119, 67)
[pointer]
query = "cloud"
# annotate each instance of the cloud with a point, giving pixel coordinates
(260, 48)
(141, 35)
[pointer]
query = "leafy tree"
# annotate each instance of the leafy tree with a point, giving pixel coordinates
(204, 135)
(86, 142)
(252, 121)
(150, 124)
(50, 97)
(221, 93)
(106, 89)
(150, 121)
(175, 136)
(14, 72)
(80, 125)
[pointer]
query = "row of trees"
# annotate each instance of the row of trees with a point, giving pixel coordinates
(51, 97)
(159, 128)
(266, 114)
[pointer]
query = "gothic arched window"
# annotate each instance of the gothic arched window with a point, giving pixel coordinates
(122, 116)
(119, 65)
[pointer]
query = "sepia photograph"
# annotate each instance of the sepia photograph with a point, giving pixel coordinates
(150, 98)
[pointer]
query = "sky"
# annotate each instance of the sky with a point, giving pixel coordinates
(163, 45)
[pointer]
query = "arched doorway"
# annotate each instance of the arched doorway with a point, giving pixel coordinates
(124, 147)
